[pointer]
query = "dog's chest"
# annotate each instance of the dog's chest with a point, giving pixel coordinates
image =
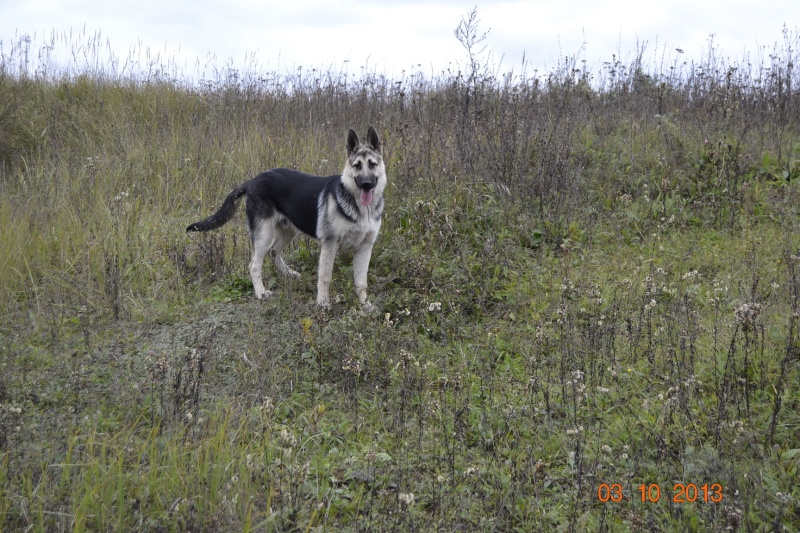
(353, 235)
(356, 239)
(350, 232)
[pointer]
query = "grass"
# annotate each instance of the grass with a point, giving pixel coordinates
(587, 287)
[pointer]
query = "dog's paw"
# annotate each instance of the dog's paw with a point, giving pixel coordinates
(262, 294)
(292, 273)
(367, 307)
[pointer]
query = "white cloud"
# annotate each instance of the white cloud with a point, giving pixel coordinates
(398, 36)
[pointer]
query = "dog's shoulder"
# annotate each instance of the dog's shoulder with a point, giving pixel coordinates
(346, 203)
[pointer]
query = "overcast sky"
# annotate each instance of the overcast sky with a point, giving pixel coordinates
(402, 35)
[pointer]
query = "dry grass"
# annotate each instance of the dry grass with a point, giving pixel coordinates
(584, 278)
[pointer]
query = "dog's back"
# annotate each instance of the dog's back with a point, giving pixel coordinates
(292, 193)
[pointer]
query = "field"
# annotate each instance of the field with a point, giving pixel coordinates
(587, 290)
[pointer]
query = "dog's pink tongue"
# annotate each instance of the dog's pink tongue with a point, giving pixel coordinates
(366, 196)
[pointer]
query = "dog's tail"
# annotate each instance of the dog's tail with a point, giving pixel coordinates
(223, 215)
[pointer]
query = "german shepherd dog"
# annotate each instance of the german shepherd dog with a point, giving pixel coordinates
(341, 211)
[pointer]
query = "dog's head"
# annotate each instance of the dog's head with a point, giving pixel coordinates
(364, 174)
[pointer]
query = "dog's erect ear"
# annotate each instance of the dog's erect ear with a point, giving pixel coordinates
(352, 141)
(373, 140)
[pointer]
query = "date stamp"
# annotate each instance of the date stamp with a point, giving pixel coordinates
(652, 493)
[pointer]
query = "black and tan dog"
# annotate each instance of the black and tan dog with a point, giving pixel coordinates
(339, 211)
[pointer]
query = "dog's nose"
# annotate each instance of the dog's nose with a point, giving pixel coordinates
(366, 184)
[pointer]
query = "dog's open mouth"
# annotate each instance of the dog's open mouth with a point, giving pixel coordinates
(366, 196)
(366, 187)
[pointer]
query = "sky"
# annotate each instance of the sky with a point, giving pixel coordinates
(397, 37)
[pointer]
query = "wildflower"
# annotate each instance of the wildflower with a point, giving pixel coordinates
(746, 314)
(267, 404)
(351, 365)
(121, 196)
(406, 498)
(287, 439)
(606, 448)
(158, 366)
(435, 306)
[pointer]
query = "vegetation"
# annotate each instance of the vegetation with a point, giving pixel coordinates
(588, 287)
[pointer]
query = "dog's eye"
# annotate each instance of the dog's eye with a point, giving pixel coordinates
(373, 164)
(357, 164)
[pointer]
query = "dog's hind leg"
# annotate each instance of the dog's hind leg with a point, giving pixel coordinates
(283, 233)
(261, 237)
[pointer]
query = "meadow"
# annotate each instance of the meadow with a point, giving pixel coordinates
(587, 288)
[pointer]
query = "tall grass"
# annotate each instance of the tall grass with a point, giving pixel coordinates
(98, 149)
(584, 277)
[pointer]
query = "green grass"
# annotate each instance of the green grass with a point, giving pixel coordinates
(571, 292)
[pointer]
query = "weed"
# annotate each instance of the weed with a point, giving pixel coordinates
(584, 279)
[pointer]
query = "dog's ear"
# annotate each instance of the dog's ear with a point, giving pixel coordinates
(352, 141)
(373, 140)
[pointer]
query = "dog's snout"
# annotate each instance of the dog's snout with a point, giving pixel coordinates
(366, 184)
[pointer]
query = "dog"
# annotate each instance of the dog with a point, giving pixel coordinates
(340, 211)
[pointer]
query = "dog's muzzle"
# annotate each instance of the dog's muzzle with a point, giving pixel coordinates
(366, 185)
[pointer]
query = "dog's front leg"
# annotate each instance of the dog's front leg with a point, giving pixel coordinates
(326, 256)
(361, 259)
